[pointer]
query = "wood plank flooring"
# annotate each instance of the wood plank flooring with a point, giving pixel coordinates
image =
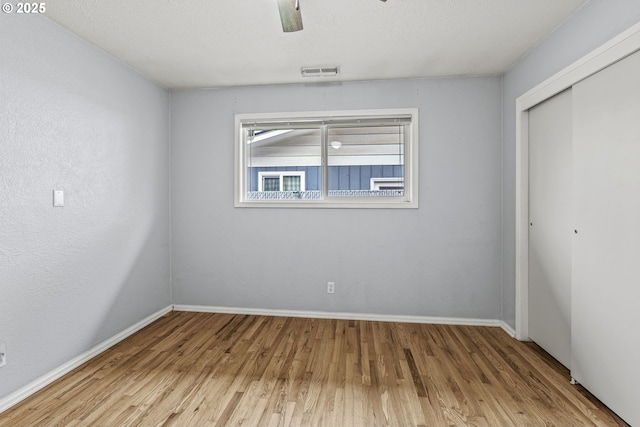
(198, 369)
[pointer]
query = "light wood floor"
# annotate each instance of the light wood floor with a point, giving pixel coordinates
(194, 369)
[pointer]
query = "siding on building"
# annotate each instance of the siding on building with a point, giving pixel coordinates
(340, 177)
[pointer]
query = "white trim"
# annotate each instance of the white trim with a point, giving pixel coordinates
(612, 51)
(395, 182)
(340, 315)
(271, 135)
(508, 329)
(38, 384)
(281, 175)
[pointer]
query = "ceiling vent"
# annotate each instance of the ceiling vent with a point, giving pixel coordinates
(319, 71)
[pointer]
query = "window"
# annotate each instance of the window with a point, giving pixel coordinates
(362, 159)
(281, 181)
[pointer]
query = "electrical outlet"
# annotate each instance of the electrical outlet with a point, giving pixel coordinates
(331, 287)
(3, 354)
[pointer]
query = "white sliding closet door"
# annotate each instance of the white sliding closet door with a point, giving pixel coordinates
(606, 249)
(550, 228)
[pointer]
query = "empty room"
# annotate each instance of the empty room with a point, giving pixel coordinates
(319, 213)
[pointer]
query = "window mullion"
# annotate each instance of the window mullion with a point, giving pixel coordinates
(408, 171)
(324, 162)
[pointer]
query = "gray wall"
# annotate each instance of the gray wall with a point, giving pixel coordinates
(442, 259)
(591, 26)
(72, 118)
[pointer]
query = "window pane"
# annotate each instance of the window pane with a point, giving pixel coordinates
(273, 150)
(366, 161)
(290, 183)
(271, 184)
(357, 158)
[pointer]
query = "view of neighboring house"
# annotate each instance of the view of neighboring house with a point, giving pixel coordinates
(362, 161)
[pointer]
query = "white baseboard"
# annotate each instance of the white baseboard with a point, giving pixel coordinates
(50, 377)
(342, 316)
(508, 329)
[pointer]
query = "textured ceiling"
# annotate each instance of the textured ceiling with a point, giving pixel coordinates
(213, 43)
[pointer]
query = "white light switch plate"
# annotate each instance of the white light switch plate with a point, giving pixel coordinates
(58, 198)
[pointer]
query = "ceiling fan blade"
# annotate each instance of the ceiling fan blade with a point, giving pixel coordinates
(290, 16)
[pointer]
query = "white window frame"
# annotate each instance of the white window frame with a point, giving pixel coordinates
(281, 175)
(410, 198)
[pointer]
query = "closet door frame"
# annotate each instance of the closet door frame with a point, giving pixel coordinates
(612, 51)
